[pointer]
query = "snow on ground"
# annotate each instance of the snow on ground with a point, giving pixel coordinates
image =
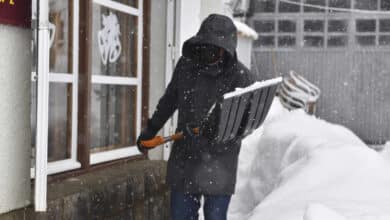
(299, 167)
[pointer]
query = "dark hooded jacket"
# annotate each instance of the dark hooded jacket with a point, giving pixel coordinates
(197, 164)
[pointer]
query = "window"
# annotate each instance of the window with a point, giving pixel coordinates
(116, 80)
(313, 33)
(368, 28)
(314, 2)
(113, 117)
(337, 33)
(286, 33)
(264, 6)
(308, 26)
(289, 8)
(385, 5)
(384, 32)
(62, 118)
(276, 33)
(266, 31)
(115, 74)
(339, 4)
(366, 4)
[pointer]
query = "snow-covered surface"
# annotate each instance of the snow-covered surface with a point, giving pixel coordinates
(245, 30)
(299, 167)
(254, 86)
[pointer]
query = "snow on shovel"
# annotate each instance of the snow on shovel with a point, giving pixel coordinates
(238, 113)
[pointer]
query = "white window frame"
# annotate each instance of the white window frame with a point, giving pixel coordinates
(58, 77)
(128, 151)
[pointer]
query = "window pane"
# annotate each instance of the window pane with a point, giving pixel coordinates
(264, 26)
(113, 114)
(264, 41)
(313, 41)
(385, 5)
(315, 3)
(264, 5)
(288, 7)
(60, 35)
(366, 4)
(366, 40)
(114, 43)
(337, 41)
(132, 3)
(384, 25)
(365, 25)
(60, 121)
(384, 40)
(314, 26)
(340, 3)
(286, 41)
(337, 26)
(287, 26)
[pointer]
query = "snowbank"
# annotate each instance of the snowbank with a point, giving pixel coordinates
(299, 167)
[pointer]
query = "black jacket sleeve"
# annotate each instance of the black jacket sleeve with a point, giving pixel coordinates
(167, 103)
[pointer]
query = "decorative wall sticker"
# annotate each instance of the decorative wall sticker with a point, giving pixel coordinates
(108, 39)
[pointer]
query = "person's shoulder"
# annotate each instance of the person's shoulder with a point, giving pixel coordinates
(183, 61)
(182, 66)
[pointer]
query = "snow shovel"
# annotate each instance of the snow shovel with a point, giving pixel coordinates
(238, 113)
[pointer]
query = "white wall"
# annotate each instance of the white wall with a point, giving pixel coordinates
(157, 61)
(210, 7)
(189, 21)
(244, 50)
(15, 130)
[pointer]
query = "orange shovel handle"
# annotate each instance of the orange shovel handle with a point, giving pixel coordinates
(158, 140)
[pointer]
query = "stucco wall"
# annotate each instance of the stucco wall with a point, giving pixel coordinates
(157, 61)
(15, 137)
(244, 50)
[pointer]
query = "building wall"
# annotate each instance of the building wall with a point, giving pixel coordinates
(244, 50)
(157, 61)
(354, 85)
(15, 136)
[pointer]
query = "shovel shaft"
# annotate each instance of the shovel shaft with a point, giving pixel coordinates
(158, 140)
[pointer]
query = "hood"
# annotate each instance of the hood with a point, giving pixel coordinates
(218, 30)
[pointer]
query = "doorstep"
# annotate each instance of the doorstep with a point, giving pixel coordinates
(135, 190)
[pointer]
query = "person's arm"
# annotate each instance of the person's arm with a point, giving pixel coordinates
(164, 110)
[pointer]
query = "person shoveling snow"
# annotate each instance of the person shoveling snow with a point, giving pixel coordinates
(203, 160)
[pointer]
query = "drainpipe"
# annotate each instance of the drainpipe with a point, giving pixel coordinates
(40, 191)
(15, 130)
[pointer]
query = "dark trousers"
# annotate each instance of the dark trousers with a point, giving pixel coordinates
(185, 206)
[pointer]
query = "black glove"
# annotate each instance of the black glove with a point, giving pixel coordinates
(146, 134)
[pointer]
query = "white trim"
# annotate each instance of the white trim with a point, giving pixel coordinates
(115, 80)
(75, 85)
(62, 165)
(101, 157)
(59, 166)
(40, 196)
(61, 77)
(119, 7)
(139, 69)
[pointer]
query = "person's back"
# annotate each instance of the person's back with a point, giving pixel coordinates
(199, 166)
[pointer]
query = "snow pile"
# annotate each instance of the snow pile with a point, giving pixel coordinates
(321, 212)
(299, 167)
